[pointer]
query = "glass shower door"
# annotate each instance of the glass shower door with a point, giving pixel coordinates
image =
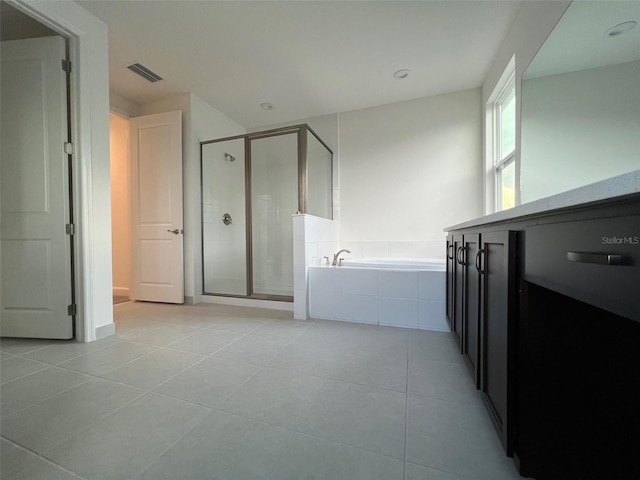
(274, 199)
(224, 244)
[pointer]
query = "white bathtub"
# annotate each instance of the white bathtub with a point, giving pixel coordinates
(383, 291)
(430, 264)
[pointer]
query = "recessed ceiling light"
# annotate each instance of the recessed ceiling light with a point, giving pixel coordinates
(401, 74)
(621, 28)
(266, 106)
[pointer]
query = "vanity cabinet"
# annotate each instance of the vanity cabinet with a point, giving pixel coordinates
(497, 255)
(555, 293)
(463, 297)
(481, 297)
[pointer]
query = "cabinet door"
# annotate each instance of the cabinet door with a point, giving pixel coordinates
(458, 288)
(471, 321)
(498, 307)
(450, 280)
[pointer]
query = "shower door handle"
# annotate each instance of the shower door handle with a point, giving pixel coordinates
(175, 231)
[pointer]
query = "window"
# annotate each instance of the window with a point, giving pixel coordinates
(504, 140)
(501, 161)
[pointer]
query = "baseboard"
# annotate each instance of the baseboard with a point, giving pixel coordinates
(120, 291)
(105, 330)
(248, 302)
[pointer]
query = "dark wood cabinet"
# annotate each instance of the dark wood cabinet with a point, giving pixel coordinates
(450, 279)
(471, 304)
(546, 312)
(457, 299)
(498, 307)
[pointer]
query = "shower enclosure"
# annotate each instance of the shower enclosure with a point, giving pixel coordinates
(251, 186)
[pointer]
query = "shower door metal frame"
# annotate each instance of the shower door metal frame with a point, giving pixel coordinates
(301, 131)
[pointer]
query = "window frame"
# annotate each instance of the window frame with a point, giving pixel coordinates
(500, 160)
(494, 161)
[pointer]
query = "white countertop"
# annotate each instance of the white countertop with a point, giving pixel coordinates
(622, 185)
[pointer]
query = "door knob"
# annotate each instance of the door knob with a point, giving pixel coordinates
(175, 231)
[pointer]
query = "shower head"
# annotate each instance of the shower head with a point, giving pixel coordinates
(229, 157)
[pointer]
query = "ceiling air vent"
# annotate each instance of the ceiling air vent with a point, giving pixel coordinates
(144, 72)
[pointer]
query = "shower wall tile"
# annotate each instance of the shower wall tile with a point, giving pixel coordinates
(375, 249)
(298, 228)
(354, 247)
(402, 249)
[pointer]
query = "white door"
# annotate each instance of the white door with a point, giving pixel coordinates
(36, 286)
(156, 208)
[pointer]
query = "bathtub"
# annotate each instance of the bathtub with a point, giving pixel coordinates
(428, 264)
(382, 291)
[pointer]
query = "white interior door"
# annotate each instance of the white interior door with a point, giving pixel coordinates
(36, 286)
(156, 208)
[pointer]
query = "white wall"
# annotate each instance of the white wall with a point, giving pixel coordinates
(530, 28)
(120, 218)
(579, 128)
(408, 170)
(200, 122)
(403, 172)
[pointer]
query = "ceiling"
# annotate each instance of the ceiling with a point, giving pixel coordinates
(306, 58)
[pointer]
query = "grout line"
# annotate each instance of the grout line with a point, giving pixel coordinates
(37, 455)
(406, 410)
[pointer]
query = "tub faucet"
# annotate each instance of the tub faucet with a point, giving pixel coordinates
(335, 257)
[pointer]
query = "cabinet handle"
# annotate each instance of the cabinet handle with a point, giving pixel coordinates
(478, 267)
(597, 258)
(450, 256)
(460, 255)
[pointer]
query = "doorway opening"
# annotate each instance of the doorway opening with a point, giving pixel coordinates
(120, 207)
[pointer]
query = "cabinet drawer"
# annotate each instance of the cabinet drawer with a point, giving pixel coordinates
(594, 261)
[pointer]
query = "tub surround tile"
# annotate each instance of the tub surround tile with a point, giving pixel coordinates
(359, 308)
(375, 249)
(397, 284)
(402, 249)
(359, 281)
(378, 296)
(398, 312)
(432, 315)
(432, 285)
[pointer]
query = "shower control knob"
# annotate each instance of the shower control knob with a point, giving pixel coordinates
(226, 219)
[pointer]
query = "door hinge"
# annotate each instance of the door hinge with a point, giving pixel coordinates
(68, 148)
(70, 228)
(71, 309)
(66, 65)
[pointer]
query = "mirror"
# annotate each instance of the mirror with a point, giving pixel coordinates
(581, 100)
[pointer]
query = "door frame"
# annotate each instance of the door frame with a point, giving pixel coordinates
(90, 133)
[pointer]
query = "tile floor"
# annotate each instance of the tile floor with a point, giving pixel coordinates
(218, 392)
